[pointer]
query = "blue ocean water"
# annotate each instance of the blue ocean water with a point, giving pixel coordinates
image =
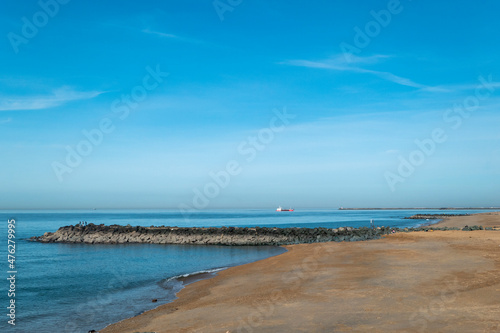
(79, 287)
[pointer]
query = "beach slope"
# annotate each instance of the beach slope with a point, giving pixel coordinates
(440, 281)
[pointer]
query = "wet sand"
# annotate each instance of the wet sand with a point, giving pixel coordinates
(440, 281)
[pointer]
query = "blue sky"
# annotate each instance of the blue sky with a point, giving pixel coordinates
(174, 91)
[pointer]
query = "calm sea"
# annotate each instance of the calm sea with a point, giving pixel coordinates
(78, 287)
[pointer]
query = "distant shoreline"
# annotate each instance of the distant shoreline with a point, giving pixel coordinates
(418, 208)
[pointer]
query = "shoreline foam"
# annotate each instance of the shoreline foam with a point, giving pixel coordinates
(185, 279)
(190, 278)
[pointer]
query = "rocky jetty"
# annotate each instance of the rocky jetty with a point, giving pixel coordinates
(116, 234)
(432, 216)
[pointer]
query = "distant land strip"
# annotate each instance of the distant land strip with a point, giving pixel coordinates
(421, 208)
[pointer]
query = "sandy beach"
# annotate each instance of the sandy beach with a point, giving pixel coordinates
(487, 220)
(436, 281)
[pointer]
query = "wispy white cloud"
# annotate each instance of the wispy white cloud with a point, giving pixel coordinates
(39, 102)
(392, 151)
(175, 37)
(5, 121)
(134, 29)
(361, 60)
(468, 87)
(339, 64)
(158, 33)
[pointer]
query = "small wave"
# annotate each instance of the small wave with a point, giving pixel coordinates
(427, 223)
(178, 281)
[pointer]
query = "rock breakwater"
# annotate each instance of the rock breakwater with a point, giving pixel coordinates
(116, 234)
(432, 216)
